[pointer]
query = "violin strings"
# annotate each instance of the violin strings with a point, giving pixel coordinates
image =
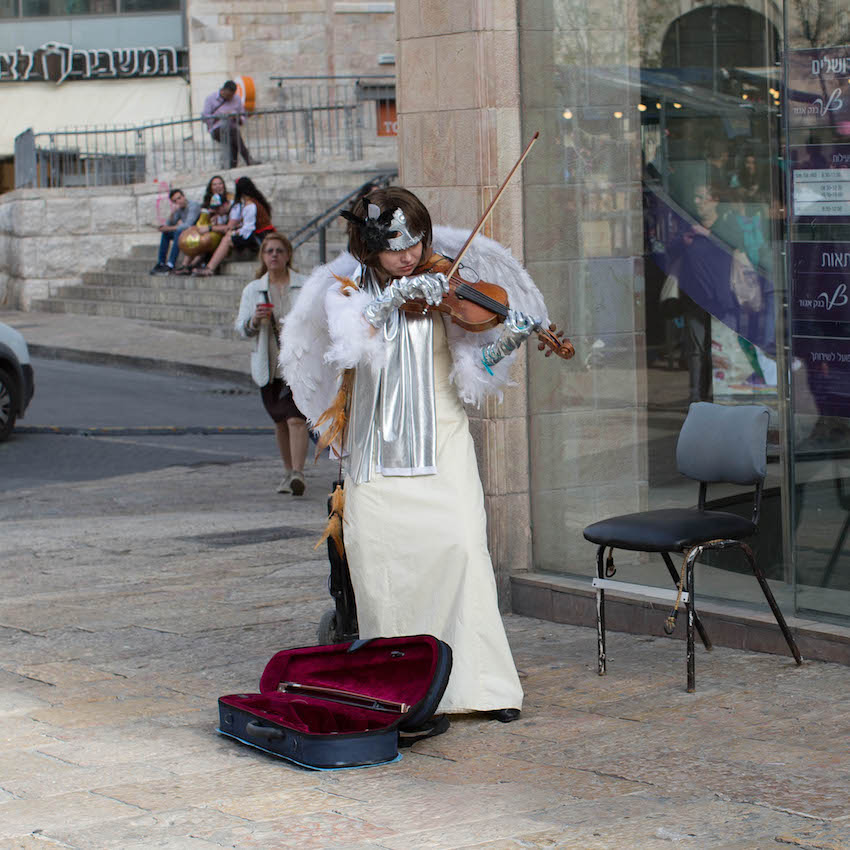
(468, 292)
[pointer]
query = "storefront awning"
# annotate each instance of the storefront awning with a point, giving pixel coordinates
(47, 106)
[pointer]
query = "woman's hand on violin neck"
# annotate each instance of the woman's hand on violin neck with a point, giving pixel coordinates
(521, 324)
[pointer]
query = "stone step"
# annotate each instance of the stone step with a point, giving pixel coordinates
(216, 282)
(218, 321)
(138, 265)
(220, 300)
(143, 257)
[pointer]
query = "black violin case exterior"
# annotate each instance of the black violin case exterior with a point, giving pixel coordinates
(343, 705)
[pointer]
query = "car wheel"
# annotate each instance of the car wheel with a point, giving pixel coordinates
(10, 403)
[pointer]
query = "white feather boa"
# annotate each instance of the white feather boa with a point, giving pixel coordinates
(325, 331)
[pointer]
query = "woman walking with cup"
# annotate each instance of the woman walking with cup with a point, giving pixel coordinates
(265, 301)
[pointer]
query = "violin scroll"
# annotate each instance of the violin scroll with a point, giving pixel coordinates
(552, 340)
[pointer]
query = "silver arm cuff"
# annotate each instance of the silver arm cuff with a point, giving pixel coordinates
(516, 329)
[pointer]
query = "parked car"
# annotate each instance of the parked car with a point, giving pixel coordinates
(17, 384)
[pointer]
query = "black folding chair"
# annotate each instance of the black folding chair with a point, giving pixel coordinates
(717, 443)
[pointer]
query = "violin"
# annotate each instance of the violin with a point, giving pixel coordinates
(480, 306)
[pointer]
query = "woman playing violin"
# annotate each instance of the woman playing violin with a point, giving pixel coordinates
(415, 528)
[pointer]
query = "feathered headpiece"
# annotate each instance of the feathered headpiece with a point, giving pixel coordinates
(378, 227)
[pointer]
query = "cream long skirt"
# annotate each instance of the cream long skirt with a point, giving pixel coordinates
(417, 552)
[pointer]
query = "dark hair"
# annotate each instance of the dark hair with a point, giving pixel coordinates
(274, 236)
(229, 85)
(245, 188)
(173, 192)
(418, 220)
(209, 192)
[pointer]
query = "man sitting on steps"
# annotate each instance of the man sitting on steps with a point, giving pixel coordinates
(223, 113)
(184, 214)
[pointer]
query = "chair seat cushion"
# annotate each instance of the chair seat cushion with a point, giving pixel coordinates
(668, 530)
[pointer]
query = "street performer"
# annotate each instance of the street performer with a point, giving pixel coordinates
(387, 386)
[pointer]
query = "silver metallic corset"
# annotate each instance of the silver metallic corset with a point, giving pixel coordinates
(392, 426)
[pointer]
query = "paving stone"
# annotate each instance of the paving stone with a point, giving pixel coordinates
(18, 732)
(148, 830)
(461, 835)
(99, 712)
(274, 804)
(818, 836)
(31, 842)
(309, 832)
(207, 788)
(497, 769)
(81, 808)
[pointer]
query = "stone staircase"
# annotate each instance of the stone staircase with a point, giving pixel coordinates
(204, 305)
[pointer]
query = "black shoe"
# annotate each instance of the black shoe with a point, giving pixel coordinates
(161, 268)
(505, 715)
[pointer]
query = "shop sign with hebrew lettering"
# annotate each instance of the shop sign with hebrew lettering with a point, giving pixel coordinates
(56, 62)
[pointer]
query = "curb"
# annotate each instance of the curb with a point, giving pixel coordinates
(150, 364)
(142, 430)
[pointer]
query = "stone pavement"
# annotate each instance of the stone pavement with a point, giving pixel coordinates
(128, 605)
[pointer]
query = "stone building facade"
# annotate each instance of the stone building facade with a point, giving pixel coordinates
(265, 38)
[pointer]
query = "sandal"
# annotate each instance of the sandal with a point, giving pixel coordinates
(203, 271)
(182, 270)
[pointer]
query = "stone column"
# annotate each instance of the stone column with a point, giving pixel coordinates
(459, 132)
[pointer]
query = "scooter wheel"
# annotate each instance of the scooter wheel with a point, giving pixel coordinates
(327, 631)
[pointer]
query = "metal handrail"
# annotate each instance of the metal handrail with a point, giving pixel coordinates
(312, 123)
(280, 78)
(318, 225)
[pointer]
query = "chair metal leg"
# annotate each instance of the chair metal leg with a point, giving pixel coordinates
(600, 614)
(768, 595)
(703, 634)
(689, 608)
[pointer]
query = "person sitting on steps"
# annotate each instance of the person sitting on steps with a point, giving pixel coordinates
(250, 221)
(184, 214)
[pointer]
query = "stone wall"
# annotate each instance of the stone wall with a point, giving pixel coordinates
(459, 135)
(50, 237)
(260, 38)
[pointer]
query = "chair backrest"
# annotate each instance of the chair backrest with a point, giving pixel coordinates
(724, 443)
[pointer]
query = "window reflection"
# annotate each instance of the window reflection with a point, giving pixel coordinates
(150, 5)
(44, 8)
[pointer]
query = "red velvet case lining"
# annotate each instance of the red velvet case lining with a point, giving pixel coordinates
(400, 669)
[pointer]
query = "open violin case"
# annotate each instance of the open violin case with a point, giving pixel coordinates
(343, 705)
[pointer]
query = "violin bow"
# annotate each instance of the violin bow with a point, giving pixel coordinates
(551, 340)
(492, 204)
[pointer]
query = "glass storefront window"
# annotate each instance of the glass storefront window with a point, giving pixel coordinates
(63, 8)
(8, 8)
(818, 145)
(656, 226)
(150, 5)
(45, 8)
